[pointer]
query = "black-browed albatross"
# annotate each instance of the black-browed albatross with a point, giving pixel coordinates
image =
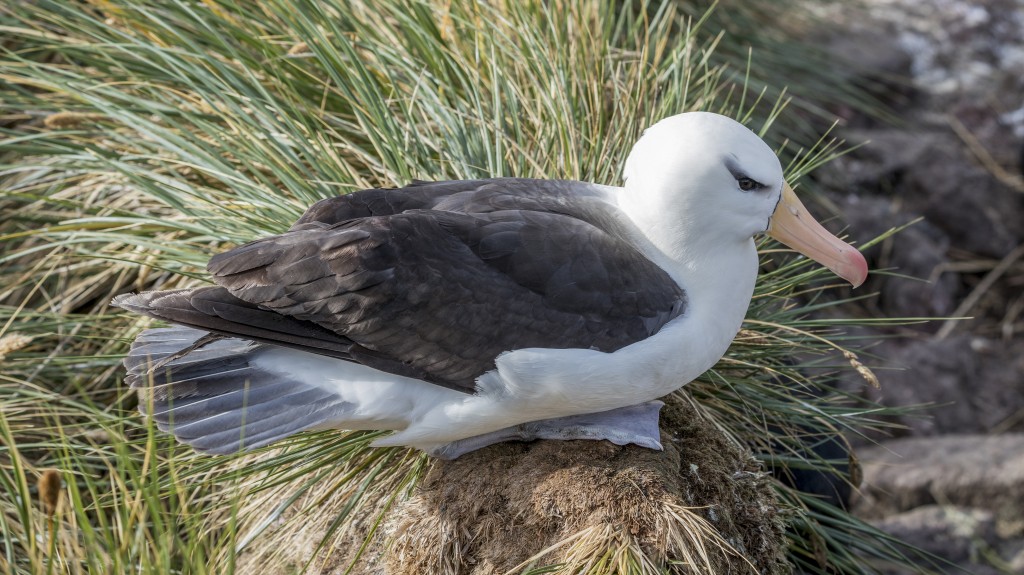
(464, 313)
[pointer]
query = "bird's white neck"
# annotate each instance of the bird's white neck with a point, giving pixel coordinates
(719, 284)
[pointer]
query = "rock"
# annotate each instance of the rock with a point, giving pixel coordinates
(918, 252)
(875, 60)
(1014, 554)
(1016, 562)
(959, 497)
(950, 531)
(882, 156)
(939, 373)
(960, 535)
(958, 46)
(997, 397)
(980, 214)
(928, 171)
(972, 385)
(979, 471)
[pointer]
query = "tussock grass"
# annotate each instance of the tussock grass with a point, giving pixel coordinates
(138, 138)
(604, 549)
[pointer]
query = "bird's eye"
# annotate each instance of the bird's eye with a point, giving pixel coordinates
(747, 184)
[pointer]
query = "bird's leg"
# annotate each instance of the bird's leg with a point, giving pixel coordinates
(636, 424)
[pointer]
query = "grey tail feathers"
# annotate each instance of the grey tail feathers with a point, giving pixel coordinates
(209, 394)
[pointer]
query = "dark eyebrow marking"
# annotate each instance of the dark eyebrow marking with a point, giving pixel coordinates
(732, 164)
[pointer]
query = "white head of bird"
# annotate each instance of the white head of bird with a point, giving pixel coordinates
(697, 183)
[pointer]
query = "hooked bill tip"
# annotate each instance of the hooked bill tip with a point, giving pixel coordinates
(852, 268)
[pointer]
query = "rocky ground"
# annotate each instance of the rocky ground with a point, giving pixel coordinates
(951, 480)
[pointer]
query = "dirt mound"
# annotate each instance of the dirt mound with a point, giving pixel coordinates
(701, 502)
(700, 506)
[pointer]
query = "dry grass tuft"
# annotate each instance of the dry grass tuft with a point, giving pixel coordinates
(49, 486)
(12, 342)
(66, 120)
(864, 371)
(299, 48)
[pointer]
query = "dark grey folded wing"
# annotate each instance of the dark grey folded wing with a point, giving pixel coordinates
(436, 280)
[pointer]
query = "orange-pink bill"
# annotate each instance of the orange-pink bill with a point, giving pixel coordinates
(794, 226)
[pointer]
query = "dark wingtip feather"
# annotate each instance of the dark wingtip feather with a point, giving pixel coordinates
(123, 300)
(131, 301)
(146, 303)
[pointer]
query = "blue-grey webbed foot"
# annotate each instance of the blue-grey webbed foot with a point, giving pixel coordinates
(636, 424)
